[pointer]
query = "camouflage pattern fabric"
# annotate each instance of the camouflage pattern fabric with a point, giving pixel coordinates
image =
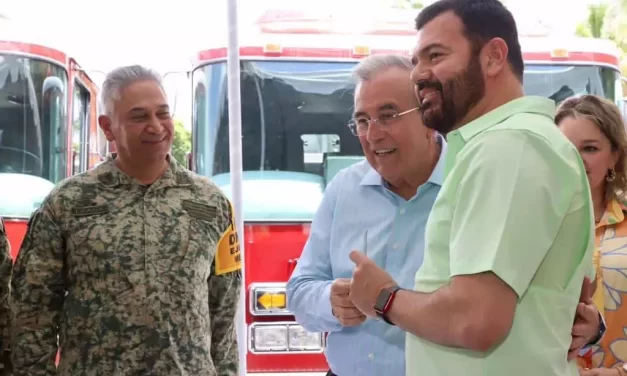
(6, 265)
(130, 277)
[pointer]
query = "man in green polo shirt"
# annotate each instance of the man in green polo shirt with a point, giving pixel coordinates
(510, 237)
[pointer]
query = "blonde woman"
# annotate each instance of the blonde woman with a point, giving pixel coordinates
(595, 126)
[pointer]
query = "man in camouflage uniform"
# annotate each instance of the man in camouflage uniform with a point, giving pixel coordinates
(134, 264)
(6, 265)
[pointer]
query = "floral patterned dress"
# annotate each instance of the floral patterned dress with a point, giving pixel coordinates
(611, 292)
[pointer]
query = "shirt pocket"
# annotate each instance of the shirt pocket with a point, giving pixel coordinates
(196, 249)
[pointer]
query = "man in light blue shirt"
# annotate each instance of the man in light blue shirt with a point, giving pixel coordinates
(390, 195)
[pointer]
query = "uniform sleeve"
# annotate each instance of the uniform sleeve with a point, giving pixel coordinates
(309, 286)
(6, 266)
(224, 293)
(38, 289)
(513, 199)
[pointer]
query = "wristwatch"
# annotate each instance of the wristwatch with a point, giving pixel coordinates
(600, 334)
(384, 302)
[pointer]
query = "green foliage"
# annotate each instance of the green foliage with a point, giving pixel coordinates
(607, 20)
(409, 4)
(596, 18)
(583, 30)
(182, 143)
(593, 26)
(615, 24)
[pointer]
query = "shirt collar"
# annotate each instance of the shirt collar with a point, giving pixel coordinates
(372, 177)
(614, 213)
(526, 104)
(437, 176)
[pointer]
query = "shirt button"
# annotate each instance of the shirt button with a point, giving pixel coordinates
(371, 356)
(395, 246)
(402, 211)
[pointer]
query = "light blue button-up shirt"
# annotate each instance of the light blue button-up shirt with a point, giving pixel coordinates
(355, 200)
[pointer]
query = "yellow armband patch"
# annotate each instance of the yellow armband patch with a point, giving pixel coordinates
(228, 257)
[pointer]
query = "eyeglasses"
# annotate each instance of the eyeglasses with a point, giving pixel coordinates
(359, 126)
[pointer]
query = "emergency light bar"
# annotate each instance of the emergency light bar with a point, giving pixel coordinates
(381, 21)
(268, 299)
(293, 15)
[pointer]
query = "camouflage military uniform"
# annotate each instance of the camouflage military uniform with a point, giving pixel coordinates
(6, 264)
(131, 275)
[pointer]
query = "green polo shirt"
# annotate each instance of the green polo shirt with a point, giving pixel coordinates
(515, 202)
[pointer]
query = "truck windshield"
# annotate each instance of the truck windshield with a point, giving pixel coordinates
(294, 133)
(33, 138)
(559, 82)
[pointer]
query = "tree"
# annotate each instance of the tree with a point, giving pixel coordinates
(182, 143)
(583, 30)
(608, 21)
(615, 24)
(593, 27)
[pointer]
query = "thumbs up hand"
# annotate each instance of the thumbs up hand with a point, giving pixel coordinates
(367, 282)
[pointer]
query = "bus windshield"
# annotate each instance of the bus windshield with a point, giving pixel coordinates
(33, 138)
(294, 133)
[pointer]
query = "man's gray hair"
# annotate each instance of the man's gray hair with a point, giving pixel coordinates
(122, 77)
(375, 64)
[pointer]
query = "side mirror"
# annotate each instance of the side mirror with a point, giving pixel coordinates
(52, 82)
(190, 161)
(75, 165)
(173, 81)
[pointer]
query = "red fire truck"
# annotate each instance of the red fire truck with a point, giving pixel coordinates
(296, 99)
(48, 127)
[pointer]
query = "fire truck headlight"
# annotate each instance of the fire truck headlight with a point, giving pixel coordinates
(282, 337)
(301, 340)
(268, 338)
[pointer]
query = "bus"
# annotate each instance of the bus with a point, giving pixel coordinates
(48, 127)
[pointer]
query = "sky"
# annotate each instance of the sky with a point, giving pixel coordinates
(164, 35)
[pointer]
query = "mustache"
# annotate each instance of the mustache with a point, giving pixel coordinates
(424, 84)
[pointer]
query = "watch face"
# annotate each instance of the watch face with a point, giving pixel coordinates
(382, 300)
